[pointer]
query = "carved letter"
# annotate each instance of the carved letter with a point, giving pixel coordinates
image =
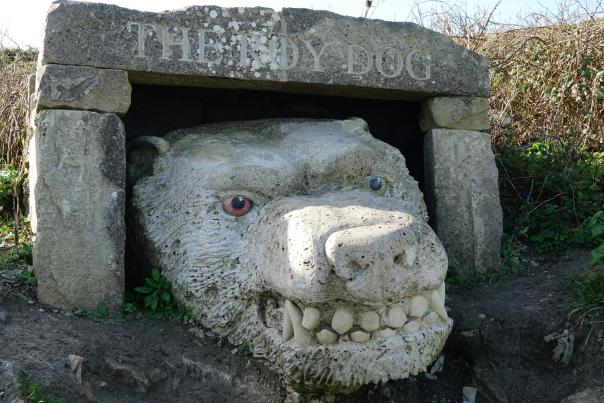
(244, 48)
(168, 40)
(284, 61)
(203, 45)
(140, 48)
(317, 56)
(428, 67)
(351, 60)
(379, 63)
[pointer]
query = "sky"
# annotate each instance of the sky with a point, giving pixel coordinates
(23, 20)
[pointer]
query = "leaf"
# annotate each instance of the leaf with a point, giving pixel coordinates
(156, 275)
(143, 290)
(151, 283)
(165, 296)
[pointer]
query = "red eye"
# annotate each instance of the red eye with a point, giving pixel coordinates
(237, 205)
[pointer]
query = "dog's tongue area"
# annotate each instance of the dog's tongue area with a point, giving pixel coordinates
(343, 321)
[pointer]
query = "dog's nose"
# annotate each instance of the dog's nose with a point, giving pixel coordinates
(372, 260)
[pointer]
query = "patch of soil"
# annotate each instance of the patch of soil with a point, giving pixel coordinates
(497, 345)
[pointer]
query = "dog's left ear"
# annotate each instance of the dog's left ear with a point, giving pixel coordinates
(141, 155)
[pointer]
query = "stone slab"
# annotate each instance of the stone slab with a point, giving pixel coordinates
(460, 113)
(81, 87)
(462, 188)
(79, 166)
(294, 49)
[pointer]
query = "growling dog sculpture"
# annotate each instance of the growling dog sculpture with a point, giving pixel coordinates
(306, 240)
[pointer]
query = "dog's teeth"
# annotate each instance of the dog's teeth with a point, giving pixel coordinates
(311, 318)
(359, 336)
(342, 320)
(431, 318)
(326, 336)
(369, 321)
(384, 333)
(419, 306)
(288, 330)
(411, 327)
(438, 304)
(395, 317)
(301, 335)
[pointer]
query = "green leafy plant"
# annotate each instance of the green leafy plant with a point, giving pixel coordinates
(32, 392)
(587, 295)
(102, 313)
(157, 292)
(596, 226)
(549, 190)
(27, 277)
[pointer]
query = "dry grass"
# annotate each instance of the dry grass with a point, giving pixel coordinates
(547, 71)
(15, 68)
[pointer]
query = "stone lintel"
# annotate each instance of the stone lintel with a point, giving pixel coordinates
(459, 113)
(462, 188)
(258, 47)
(82, 87)
(78, 186)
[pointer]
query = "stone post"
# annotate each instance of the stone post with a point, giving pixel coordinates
(462, 182)
(77, 186)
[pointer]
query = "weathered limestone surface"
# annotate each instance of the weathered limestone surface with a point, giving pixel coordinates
(462, 113)
(462, 187)
(81, 87)
(78, 186)
(293, 50)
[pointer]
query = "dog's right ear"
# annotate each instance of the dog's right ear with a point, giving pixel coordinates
(141, 155)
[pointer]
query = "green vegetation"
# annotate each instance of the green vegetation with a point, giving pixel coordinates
(587, 296)
(550, 190)
(152, 300)
(32, 392)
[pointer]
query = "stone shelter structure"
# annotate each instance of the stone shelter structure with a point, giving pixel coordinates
(102, 65)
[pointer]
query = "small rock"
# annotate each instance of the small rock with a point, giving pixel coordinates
(234, 351)
(482, 316)
(469, 394)
(9, 385)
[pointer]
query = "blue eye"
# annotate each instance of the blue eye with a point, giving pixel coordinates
(376, 183)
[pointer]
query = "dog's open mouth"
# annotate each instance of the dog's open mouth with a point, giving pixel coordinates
(344, 321)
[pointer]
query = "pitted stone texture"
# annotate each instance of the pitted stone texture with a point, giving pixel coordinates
(316, 244)
(79, 187)
(296, 50)
(463, 113)
(462, 185)
(81, 87)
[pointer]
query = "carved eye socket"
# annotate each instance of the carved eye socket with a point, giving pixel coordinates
(237, 205)
(376, 183)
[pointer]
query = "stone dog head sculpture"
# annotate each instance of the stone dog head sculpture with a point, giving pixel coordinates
(306, 240)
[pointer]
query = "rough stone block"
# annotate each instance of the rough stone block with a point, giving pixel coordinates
(81, 87)
(78, 182)
(462, 188)
(461, 113)
(294, 50)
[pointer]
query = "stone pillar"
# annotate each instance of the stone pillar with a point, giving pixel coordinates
(77, 186)
(462, 182)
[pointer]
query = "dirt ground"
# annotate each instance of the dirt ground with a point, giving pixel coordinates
(497, 345)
